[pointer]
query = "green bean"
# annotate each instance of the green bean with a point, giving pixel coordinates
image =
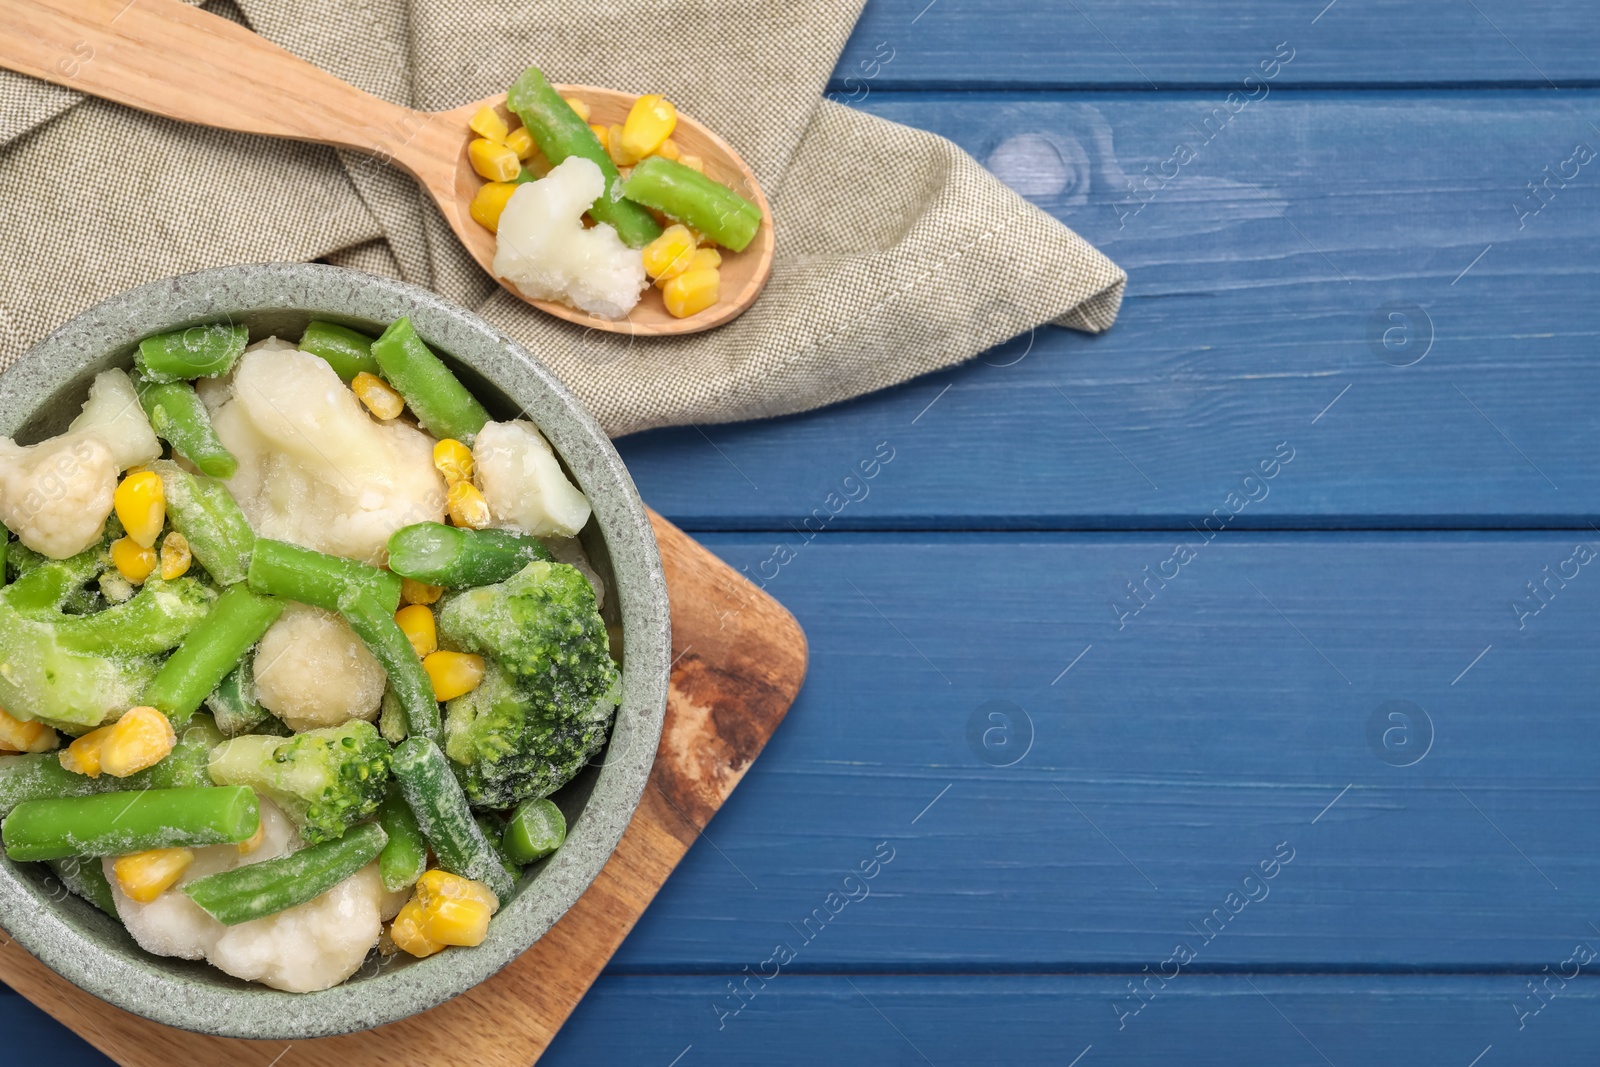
(374, 623)
(440, 402)
(433, 793)
(40, 776)
(266, 888)
(114, 824)
(318, 579)
(536, 829)
(5, 544)
(693, 199)
(233, 701)
(180, 418)
(198, 352)
(458, 555)
(405, 857)
(346, 351)
(155, 619)
(206, 514)
(493, 829)
(236, 621)
(85, 876)
(560, 132)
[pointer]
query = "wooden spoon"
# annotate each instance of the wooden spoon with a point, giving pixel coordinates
(171, 59)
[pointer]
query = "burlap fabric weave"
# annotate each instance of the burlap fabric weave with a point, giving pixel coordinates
(897, 254)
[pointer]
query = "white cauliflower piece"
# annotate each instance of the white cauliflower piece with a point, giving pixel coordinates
(112, 413)
(55, 495)
(523, 482)
(544, 250)
(311, 670)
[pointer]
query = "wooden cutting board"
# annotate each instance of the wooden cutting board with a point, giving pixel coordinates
(739, 659)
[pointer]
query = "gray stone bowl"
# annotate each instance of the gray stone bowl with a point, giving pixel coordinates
(39, 396)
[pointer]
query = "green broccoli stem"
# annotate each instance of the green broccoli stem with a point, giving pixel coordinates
(316, 578)
(212, 649)
(157, 618)
(197, 352)
(349, 353)
(178, 417)
(438, 399)
(5, 544)
(233, 703)
(46, 586)
(114, 824)
(266, 888)
(85, 876)
(405, 857)
(206, 514)
(456, 556)
(536, 829)
(435, 797)
(374, 623)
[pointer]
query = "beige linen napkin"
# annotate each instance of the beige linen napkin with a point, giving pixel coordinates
(897, 254)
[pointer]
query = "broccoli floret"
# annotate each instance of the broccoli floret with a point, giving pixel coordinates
(549, 689)
(326, 780)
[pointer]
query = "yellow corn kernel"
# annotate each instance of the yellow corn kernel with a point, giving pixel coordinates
(454, 461)
(520, 141)
(83, 755)
(693, 163)
(454, 910)
(133, 561)
(379, 397)
(415, 592)
(603, 135)
(493, 161)
(144, 876)
(406, 932)
(486, 122)
(467, 506)
(615, 149)
(453, 673)
(142, 506)
(669, 149)
(579, 106)
(703, 259)
(141, 738)
(489, 203)
(650, 121)
(691, 291)
(175, 556)
(416, 622)
(669, 255)
(437, 883)
(253, 842)
(21, 736)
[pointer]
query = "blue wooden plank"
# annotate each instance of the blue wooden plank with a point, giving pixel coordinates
(34, 1037)
(1173, 44)
(1262, 281)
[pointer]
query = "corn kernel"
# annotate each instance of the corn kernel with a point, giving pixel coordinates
(703, 259)
(253, 842)
(669, 255)
(454, 910)
(416, 622)
(175, 556)
(492, 161)
(579, 106)
(142, 506)
(144, 876)
(669, 149)
(694, 163)
(520, 141)
(486, 122)
(690, 292)
(467, 506)
(379, 397)
(603, 135)
(415, 592)
(650, 121)
(454, 461)
(141, 738)
(22, 736)
(83, 755)
(407, 934)
(133, 561)
(615, 149)
(437, 883)
(489, 202)
(453, 673)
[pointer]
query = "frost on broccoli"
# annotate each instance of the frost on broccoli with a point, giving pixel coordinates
(549, 690)
(325, 780)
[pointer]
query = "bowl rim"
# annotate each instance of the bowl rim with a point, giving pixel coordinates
(149, 985)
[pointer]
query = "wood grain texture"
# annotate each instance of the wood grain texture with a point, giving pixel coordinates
(740, 659)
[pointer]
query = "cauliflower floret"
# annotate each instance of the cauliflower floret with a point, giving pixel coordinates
(544, 250)
(55, 495)
(311, 670)
(112, 413)
(523, 482)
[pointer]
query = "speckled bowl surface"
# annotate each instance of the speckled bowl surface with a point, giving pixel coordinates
(40, 395)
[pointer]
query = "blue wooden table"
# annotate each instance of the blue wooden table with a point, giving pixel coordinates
(1222, 688)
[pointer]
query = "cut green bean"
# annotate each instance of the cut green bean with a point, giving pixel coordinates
(536, 829)
(374, 623)
(560, 132)
(206, 514)
(405, 856)
(346, 351)
(436, 397)
(494, 828)
(316, 578)
(198, 352)
(457, 556)
(212, 649)
(233, 701)
(433, 793)
(85, 876)
(114, 824)
(266, 888)
(179, 417)
(40, 776)
(688, 196)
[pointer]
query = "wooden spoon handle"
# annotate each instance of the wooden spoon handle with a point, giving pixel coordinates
(168, 58)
